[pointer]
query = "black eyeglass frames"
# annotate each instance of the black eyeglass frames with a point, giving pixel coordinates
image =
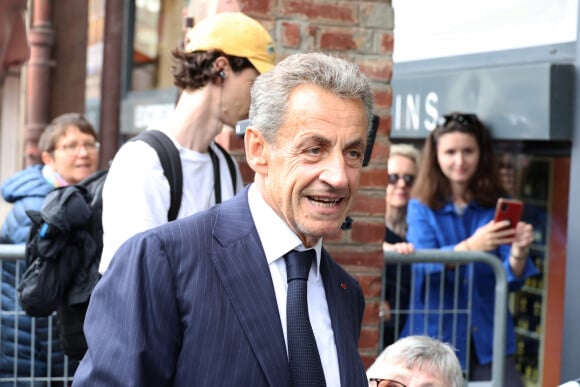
(385, 383)
(407, 179)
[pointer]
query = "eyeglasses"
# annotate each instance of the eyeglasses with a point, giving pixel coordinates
(408, 179)
(385, 383)
(464, 119)
(75, 147)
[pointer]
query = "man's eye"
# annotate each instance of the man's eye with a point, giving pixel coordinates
(314, 151)
(354, 154)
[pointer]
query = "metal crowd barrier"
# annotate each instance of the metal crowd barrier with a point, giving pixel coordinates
(16, 253)
(11, 252)
(501, 298)
(11, 373)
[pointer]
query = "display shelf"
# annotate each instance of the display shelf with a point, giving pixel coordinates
(533, 187)
(528, 334)
(531, 290)
(543, 184)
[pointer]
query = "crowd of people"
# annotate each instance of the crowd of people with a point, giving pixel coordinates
(209, 295)
(451, 207)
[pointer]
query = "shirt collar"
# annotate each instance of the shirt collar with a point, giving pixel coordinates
(449, 207)
(276, 237)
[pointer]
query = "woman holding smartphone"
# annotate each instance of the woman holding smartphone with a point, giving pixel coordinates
(453, 205)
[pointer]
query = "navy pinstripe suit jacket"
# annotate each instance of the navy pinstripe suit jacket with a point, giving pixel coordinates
(191, 303)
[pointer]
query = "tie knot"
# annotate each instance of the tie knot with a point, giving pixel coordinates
(298, 264)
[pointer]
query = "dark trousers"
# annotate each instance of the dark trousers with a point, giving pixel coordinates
(480, 372)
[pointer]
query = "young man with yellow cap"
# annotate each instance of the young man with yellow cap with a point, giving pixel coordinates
(222, 57)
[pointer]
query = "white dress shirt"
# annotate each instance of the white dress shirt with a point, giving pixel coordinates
(278, 239)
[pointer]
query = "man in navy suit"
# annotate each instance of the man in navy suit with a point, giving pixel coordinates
(201, 301)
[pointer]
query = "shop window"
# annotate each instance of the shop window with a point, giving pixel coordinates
(146, 44)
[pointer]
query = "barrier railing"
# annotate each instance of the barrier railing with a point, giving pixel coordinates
(32, 362)
(501, 299)
(16, 253)
(11, 252)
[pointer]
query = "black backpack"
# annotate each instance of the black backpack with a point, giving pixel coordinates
(65, 242)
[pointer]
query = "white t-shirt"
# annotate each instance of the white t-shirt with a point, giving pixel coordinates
(136, 192)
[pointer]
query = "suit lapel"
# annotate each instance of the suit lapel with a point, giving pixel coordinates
(341, 314)
(245, 275)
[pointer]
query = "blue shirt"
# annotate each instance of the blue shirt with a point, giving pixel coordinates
(444, 229)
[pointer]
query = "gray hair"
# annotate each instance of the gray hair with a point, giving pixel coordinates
(425, 353)
(408, 151)
(58, 127)
(271, 90)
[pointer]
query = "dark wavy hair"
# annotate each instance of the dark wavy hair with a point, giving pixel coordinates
(193, 70)
(432, 187)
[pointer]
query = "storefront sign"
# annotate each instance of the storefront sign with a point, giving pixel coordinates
(527, 102)
(145, 108)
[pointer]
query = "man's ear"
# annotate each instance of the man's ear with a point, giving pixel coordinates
(256, 150)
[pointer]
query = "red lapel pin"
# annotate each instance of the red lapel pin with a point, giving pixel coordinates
(343, 285)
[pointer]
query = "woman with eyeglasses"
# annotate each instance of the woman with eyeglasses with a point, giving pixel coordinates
(452, 208)
(69, 151)
(416, 361)
(402, 169)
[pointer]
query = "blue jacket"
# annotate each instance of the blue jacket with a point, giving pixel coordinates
(26, 190)
(443, 229)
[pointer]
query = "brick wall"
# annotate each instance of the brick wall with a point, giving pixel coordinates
(363, 33)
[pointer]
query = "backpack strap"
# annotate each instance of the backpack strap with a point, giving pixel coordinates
(231, 166)
(217, 181)
(171, 164)
(215, 162)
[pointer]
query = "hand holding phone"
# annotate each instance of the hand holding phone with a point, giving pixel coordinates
(509, 209)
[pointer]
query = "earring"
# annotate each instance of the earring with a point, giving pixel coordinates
(222, 75)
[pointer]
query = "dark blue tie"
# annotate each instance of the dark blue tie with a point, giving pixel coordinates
(305, 366)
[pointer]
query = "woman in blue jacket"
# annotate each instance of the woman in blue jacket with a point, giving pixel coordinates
(452, 208)
(69, 151)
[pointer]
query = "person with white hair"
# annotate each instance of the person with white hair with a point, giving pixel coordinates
(416, 361)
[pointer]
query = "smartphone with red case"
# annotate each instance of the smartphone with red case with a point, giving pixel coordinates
(509, 209)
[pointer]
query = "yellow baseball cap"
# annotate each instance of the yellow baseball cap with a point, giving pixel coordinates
(235, 34)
